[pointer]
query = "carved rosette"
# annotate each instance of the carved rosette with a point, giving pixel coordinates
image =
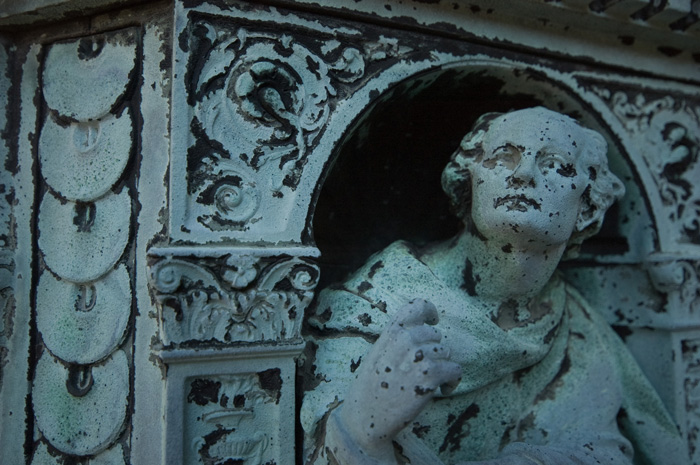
(83, 301)
(258, 105)
(232, 298)
(668, 131)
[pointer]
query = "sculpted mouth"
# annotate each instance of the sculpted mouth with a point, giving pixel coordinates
(516, 202)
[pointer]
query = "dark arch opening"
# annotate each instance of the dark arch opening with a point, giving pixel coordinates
(384, 184)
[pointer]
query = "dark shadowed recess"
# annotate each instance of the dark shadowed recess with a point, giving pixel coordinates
(384, 184)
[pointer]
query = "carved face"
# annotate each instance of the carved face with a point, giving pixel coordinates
(529, 183)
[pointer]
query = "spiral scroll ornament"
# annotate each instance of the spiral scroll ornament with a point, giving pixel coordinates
(259, 103)
(232, 299)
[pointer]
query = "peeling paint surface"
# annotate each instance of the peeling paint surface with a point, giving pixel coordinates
(180, 178)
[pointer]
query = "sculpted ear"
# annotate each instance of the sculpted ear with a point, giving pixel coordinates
(603, 189)
(590, 215)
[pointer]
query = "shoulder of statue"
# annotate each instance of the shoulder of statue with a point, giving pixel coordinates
(366, 301)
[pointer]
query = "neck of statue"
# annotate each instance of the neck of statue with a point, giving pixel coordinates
(495, 269)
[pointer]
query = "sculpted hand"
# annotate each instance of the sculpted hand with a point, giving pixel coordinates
(396, 379)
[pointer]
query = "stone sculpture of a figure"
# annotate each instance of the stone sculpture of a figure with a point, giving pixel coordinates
(475, 350)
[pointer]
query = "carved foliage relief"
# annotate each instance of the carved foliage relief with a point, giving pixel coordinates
(691, 384)
(258, 101)
(668, 131)
(679, 279)
(84, 293)
(230, 417)
(232, 298)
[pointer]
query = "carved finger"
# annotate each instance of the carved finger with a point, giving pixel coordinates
(424, 334)
(452, 377)
(435, 351)
(443, 374)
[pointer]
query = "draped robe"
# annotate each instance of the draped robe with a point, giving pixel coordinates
(554, 383)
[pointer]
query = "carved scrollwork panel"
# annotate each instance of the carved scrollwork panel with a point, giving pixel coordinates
(667, 129)
(256, 104)
(232, 298)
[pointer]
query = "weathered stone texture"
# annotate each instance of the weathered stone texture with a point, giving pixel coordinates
(179, 178)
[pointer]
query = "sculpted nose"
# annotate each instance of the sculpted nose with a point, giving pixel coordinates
(524, 173)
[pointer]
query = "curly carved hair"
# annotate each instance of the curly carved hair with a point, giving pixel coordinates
(602, 190)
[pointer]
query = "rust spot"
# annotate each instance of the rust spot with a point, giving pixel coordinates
(85, 214)
(456, 432)
(568, 170)
(518, 202)
(420, 430)
(550, 391)
(419, 356)
(307, 368)
(374, 268)
(505, 439)
(669, 51)
(211, 439)
(421, 391)
(325, 316)
(626, 40)
(622, 331)
(271, 382)
(355, 365)
(364, 286)
(550, 334)
(89, 48)
(203, 391)
(469, 281)
(380, 305)
(364, 319)
(592, 173)
(506, 315)
(525, 425)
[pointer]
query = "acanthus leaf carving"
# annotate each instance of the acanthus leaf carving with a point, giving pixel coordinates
(670, 129)
(224, 445)
(258, 104)
(690, 349)
(232, 299)
(679, 277)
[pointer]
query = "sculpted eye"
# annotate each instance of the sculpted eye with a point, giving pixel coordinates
(550, 162)
(506, 155)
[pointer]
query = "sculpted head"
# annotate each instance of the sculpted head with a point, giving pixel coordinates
(533, 172)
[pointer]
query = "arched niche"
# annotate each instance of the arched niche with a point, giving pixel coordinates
(382, 182)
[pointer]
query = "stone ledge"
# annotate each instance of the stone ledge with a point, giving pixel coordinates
(15, 13)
